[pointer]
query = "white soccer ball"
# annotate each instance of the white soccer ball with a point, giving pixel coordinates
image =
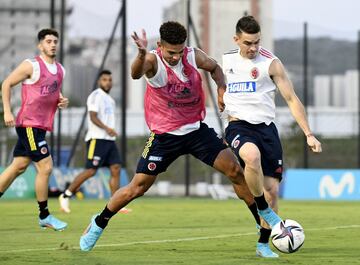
(287, 236)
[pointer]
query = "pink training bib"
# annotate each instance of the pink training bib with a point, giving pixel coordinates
(176, 104)
(39, 100)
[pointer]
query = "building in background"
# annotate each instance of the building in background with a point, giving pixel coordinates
(337, 91)
(215, 22)
(20, 21)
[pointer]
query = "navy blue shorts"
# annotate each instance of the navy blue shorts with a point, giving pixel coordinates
(265, 137)
(102, 153)
(162, 149)
(31, 143)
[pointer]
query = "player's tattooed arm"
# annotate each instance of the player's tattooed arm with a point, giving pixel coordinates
(203, 61)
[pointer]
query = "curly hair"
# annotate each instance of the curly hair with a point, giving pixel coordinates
(173, 33)
(247, 24)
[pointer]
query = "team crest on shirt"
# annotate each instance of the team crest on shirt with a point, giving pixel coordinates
(151, 166)
(43, 150)
(254, 73)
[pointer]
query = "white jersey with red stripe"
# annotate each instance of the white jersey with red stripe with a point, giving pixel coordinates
(250, 91)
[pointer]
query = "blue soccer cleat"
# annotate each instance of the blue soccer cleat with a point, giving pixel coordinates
(263, 250)
(91, 234)
(270, 216)
(52, 222)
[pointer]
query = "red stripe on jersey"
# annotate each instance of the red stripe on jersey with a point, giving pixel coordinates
(266, 51)
(266, 54)
(262, 50)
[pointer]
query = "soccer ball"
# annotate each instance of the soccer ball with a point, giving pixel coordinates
(287, 236)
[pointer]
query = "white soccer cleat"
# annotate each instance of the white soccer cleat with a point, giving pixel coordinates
(64, 203)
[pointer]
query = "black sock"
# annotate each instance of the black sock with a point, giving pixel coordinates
(103, 219)
(44, 211)
(264, 235)
(261, 202)
(1, 194)
(253, 209)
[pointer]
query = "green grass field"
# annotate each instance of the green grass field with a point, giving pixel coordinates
(177, 231)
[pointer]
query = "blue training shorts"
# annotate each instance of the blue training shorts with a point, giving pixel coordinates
(162, 149)
(265, 137)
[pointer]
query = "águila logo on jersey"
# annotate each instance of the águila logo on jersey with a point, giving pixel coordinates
(241, 87)
(254, 73)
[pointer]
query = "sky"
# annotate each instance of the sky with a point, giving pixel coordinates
(338, 19)
(103, 16)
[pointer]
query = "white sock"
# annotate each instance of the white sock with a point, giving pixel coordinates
(68, 193)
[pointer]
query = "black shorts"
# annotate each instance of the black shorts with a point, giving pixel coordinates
(31, 143)
(162, 149)
(102, 153)
(265, 137)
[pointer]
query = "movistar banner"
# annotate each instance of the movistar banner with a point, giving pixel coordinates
(323, 184)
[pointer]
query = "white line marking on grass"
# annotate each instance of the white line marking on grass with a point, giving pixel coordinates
(169, 240)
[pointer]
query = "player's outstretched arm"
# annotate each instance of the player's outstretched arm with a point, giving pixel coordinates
(279, 76)
(144, 63)
(203, 61)
(22, 72)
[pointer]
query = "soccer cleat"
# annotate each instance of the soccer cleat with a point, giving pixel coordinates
(125, 210)
(64, 203)
(52, 222)
(91, 234)
(263, 250)
(270, 216)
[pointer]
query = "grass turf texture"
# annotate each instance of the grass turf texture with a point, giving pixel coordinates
(177, 231)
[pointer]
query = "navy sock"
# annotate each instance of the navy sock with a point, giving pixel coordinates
(44, 211)
(253, 209)
(103, 219)
(261, 202)
(264, 235)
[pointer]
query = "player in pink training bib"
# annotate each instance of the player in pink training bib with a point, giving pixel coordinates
(41, 79)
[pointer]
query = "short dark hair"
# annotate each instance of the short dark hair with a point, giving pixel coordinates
(104, 72)
(173, 33)
(247, 24)
(42, 33)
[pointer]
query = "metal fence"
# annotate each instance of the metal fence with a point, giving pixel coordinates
(321, 62)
